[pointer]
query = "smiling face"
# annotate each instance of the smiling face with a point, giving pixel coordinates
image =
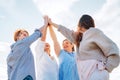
(67, 46)
(20, 34)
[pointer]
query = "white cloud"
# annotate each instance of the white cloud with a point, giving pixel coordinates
(2, 17)
(109, 12)
(4, 47)
(4, 51)
(59, 11)
(7, 4)
(53, 7)
(108, 19)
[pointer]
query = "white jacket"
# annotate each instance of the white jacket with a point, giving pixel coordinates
(46, 68)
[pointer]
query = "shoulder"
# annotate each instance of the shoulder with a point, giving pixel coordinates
(62, 53)
(17, 44)
(12, 45)
(94, 30)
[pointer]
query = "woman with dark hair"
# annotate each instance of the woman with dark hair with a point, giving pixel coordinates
(97, 55)
(67, 62)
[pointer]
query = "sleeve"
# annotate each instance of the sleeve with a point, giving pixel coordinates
(29, 40)
(11, 60)
(109, 49)
(39, 48)
(9, 69)
(69, 34)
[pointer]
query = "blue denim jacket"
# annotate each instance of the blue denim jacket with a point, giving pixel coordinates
(20, 61)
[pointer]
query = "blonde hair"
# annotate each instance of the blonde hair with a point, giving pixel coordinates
(17, 32)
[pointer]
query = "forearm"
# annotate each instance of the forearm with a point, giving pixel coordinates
(112, 62)
(29, 40)
(52, 34)
(69, 34)
(43, 38)
(55, 25)
(55, 41)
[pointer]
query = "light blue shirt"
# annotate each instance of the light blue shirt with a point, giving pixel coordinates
(67, 66)
(20, 61)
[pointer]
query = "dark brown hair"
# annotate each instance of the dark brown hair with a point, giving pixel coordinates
(86, 21)
(78, 39)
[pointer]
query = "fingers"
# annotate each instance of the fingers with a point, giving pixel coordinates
(47, 21)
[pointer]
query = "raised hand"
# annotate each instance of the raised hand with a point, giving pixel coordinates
(44, 29)
(45, 20)
(51, 23)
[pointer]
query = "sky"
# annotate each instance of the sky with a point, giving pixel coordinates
(28, 14)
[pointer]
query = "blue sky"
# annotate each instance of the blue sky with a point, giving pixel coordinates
(28, 14)
(16, 14)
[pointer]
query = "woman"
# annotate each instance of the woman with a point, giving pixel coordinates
(46, 65)
(20, 61)
(97, 55)
(67, 61)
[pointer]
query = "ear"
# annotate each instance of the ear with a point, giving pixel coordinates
(81, 29)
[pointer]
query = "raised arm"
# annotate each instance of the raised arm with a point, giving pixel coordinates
(51, 23)
(69, 34)
(44, 31)
(55, 41)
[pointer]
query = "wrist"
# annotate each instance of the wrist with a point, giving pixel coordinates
(45, 25)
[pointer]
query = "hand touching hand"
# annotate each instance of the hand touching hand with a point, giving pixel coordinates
(49, 21)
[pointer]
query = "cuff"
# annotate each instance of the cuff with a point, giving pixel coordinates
(38, 32)
(59, 27)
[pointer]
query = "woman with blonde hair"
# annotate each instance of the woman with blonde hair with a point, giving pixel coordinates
(20, 61)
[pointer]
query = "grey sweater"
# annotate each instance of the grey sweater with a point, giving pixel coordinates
(95, 45)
